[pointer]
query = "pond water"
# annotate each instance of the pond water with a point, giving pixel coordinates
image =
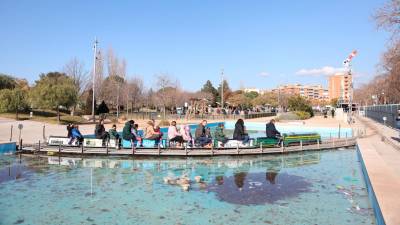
(306, 188)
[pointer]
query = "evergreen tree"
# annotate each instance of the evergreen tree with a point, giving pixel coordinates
(209, 88)
(54, 90)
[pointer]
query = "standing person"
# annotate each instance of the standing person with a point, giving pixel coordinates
(174, 135)
(100, 132)
(272, 132)
(114, 135)
(76, 134)
(200, 135)
(220, 135)
(240, 133)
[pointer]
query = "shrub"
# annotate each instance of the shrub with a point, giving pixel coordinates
(298, 103)
(303, 115)
(288, 116)
(163, 123)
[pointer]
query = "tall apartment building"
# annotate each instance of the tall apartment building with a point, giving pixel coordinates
(312, 92)
(340, 87)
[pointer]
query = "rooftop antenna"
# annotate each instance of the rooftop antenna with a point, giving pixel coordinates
(347, 65)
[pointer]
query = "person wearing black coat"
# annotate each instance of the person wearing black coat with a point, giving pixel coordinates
(272, 132)
(240, 133)
(100, 132)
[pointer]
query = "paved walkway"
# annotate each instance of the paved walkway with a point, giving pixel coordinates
(381, 157)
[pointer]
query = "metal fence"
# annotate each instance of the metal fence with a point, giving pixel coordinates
(154, 115)
(385, 114)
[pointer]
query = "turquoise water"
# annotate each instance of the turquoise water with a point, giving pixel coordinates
(308, 188)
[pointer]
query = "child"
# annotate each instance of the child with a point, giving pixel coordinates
(114, 135)
(187, 136)
(136, 134)
(157, 130)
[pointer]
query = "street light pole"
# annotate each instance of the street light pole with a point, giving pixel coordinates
(94, 77)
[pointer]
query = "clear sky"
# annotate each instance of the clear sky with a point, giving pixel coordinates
(258, 43)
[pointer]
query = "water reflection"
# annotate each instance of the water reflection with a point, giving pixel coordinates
(252, 189)
(272, 163)
(237, 180)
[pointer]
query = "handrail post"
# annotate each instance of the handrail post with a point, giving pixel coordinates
(11, 133)
(44, 132)
(20, 144)
(59, 149)
(107, 147)
(186, 152)
(261, 147)
(133, 147)
(39, 146)
(301, 145)
(237, 148)
(282, 146)
(82, 149)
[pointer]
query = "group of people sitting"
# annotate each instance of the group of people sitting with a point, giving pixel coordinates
(176, 136)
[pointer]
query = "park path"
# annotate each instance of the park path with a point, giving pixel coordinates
(381, 157)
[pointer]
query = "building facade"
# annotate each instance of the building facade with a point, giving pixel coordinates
(311, 92)
(340, 87)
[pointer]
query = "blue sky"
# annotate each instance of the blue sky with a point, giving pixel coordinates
(258, 43)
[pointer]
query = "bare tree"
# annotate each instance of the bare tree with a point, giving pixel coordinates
(134, 93)
(115, 81)
(76, 70)
(99, 77)
(164, 85)
(388, 17)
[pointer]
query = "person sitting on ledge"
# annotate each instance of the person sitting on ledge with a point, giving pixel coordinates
(272, 132)
(186, 135)
(135, 132)
(240, 132)
(114, 135)
(76, 134)
(200, 135)
(174, 135)
(219, 134)
(152, 134)
(126, 131)
(100, 132)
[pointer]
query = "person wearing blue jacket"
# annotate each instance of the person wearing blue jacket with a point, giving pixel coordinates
(76, 134)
